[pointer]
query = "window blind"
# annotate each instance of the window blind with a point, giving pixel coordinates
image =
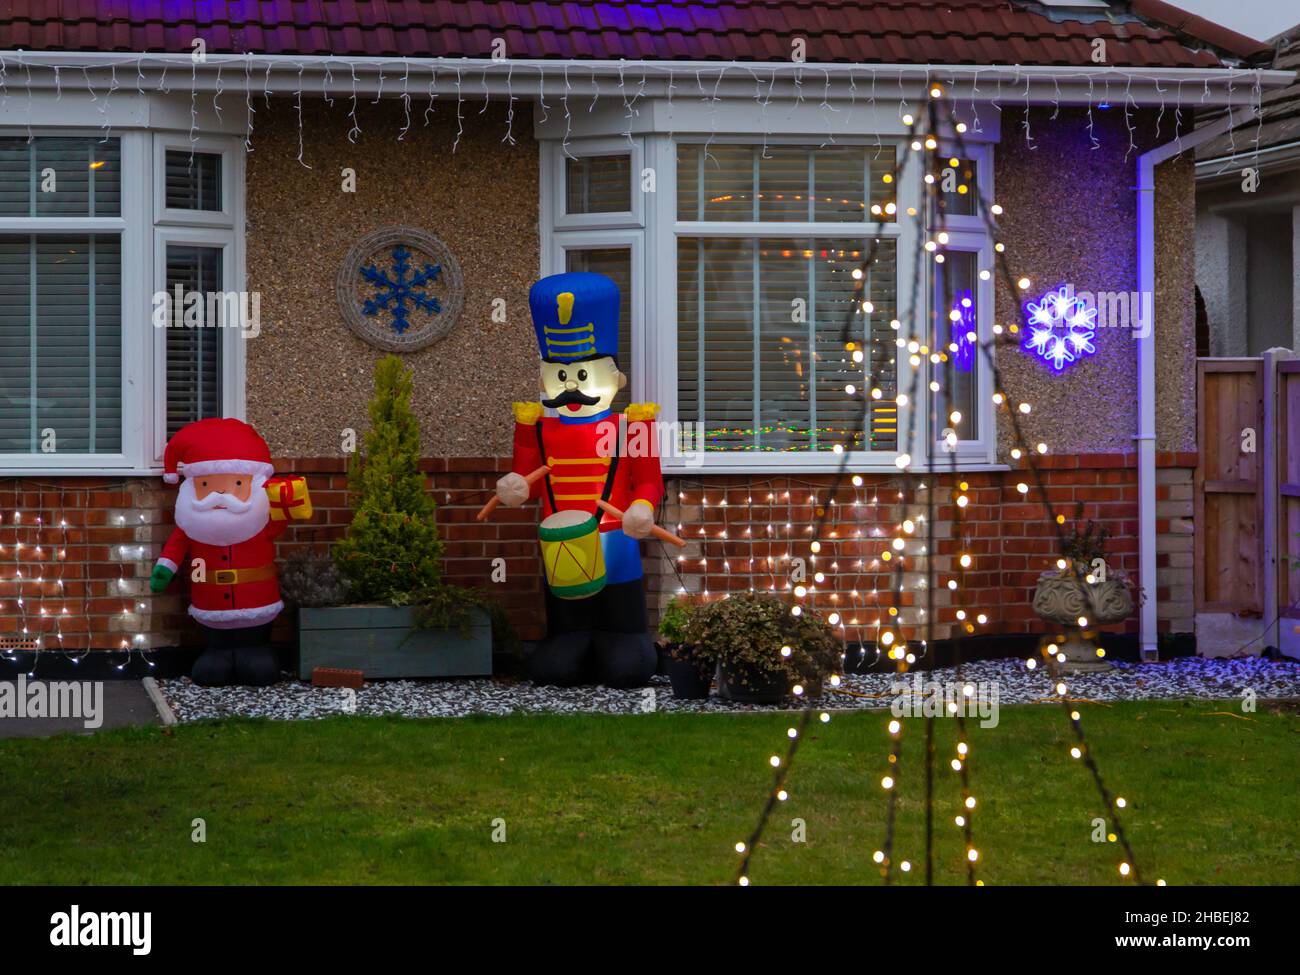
(836, 184)
(616, 263)
(193, 180)
(60, 344)
(598, 184)
(194, 370)
(60, 177)
(763, 327)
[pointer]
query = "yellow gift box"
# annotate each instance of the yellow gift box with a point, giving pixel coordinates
(289, 498)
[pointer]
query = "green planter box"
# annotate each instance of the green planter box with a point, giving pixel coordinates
(384, 643)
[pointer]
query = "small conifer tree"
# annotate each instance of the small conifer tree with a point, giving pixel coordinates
(392, 548)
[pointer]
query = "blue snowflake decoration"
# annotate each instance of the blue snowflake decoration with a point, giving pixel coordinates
(1060, 328)
(399, 291)
(962, 336)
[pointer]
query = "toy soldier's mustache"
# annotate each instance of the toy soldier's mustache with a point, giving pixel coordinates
(569, 397)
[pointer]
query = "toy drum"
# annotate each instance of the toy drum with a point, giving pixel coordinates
(571, 554)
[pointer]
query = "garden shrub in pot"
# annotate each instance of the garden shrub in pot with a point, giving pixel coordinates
(690, 667)
(762, 648)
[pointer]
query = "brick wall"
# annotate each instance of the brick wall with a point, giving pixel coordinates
(743, 530)
(109, 531)
(460, 485)
(98, 539)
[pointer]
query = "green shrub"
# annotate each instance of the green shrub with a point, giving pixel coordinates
(746, 631)
(392, 547)
(673, 620)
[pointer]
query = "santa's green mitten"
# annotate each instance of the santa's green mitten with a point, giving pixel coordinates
(160, 578)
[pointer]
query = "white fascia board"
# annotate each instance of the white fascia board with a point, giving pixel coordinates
(530, 79)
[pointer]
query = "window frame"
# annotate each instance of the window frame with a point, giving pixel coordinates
(660, 126)
(134, 367)
(199, 228)
(231, 337)
(979, 449)
(903, 232)
(143, 223)
(212, 145)
(557, 180)
(969, 234)
(556, 262)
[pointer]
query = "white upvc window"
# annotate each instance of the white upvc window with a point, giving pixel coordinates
(964, 426)
(197, 275)
(774, 285)
(788, 265)
(597, 183)
(94, 225)
(69, 373)
(593, 201)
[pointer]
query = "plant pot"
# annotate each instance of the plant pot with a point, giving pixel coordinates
(747, 686)
(385, 643)
(1063, 598)
(664, 654)
(690, 680)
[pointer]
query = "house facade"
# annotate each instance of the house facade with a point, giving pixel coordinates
(730, 166)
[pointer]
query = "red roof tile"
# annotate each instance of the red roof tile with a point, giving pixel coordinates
(1146, 33)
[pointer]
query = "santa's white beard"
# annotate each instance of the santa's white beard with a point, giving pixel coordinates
(234, 522)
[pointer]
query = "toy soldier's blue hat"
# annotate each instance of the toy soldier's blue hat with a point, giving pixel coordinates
(575, 316)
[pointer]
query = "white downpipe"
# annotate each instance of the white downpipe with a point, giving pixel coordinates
(1146, 353)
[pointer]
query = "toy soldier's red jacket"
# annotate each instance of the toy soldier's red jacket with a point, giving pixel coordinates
(580, 454)
(238, 587)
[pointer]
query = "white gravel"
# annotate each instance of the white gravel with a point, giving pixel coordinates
(1184, 677)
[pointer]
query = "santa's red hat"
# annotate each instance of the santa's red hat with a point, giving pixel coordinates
(216, 446)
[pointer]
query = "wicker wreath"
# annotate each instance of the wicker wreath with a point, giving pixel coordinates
(400, 289)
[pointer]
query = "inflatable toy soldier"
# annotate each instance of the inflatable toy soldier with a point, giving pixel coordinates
(597, 476)
(229, 512)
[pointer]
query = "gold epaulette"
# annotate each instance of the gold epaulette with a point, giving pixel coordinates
(527, 413)
(641, 411)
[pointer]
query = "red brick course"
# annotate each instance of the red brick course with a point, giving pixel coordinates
(110, 530)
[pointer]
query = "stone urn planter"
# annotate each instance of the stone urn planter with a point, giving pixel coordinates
(1064, 598)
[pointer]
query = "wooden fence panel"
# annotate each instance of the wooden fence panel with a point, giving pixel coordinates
(1229, 495)
(1288, 470)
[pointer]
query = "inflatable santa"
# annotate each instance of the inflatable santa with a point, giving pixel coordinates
(597, 476)
(225, 537)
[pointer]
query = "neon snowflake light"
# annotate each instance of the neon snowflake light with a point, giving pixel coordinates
(961, 331)
(393, 290)
(1061, 328)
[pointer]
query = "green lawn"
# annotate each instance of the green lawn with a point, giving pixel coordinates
(654, 798)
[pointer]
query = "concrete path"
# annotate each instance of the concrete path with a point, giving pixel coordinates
(116, 703)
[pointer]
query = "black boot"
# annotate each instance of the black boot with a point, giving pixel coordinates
(214, 668)
(562, 660)
(624, 659)
(257, 666)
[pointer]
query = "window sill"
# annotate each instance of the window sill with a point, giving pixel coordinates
(7, 472)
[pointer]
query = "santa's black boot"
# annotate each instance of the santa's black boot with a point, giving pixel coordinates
(256, 666)
(214, 668)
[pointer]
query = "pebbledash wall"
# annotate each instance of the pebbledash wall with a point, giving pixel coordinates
(1070, 218)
